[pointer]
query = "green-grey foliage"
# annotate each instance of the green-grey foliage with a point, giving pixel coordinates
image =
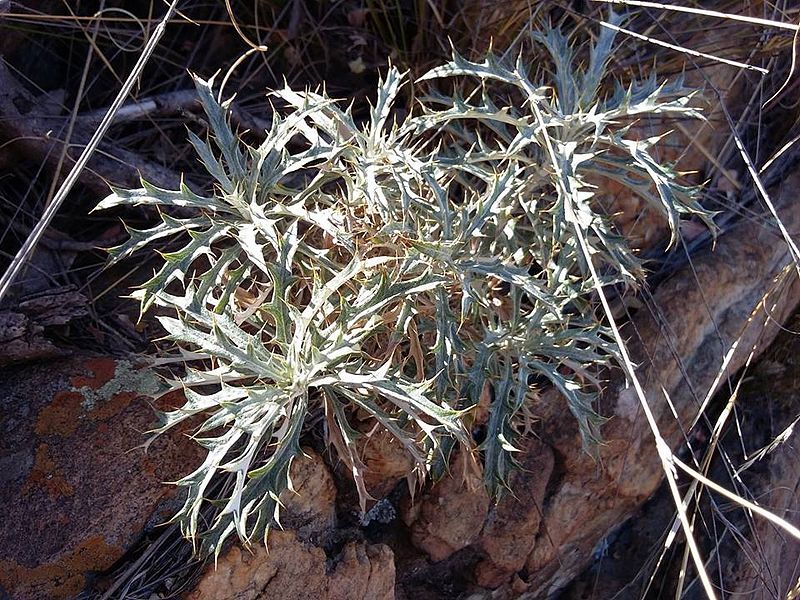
(398, 273)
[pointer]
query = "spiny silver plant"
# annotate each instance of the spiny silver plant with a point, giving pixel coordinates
(397, 272)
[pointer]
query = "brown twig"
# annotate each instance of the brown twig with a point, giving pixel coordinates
(27, 131)
(171, 103)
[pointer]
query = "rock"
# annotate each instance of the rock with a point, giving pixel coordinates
(288, 569)
(448, 517)
(311, 508)
(248, 575)
(455, 514)
(385, 461)
(763, 561)
(742, 290)
(363, 571)
(75, 493)
(293, 565)
(759, 560)
(510, 531)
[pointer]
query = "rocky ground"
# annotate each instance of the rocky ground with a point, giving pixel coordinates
(85, 506)
(80, 498)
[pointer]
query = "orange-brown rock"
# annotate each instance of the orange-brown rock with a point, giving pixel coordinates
(448, 516)
(739, 293)
(770, 569)
(75, 492)
(769, 566)
(385, 461)
(363, 571)
(310, 506)
(293, 565)
(513, 522)
(289, 569)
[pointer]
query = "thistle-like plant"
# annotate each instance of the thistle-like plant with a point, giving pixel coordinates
(397, 273)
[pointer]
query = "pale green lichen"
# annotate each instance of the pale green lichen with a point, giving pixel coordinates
(127, 378)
